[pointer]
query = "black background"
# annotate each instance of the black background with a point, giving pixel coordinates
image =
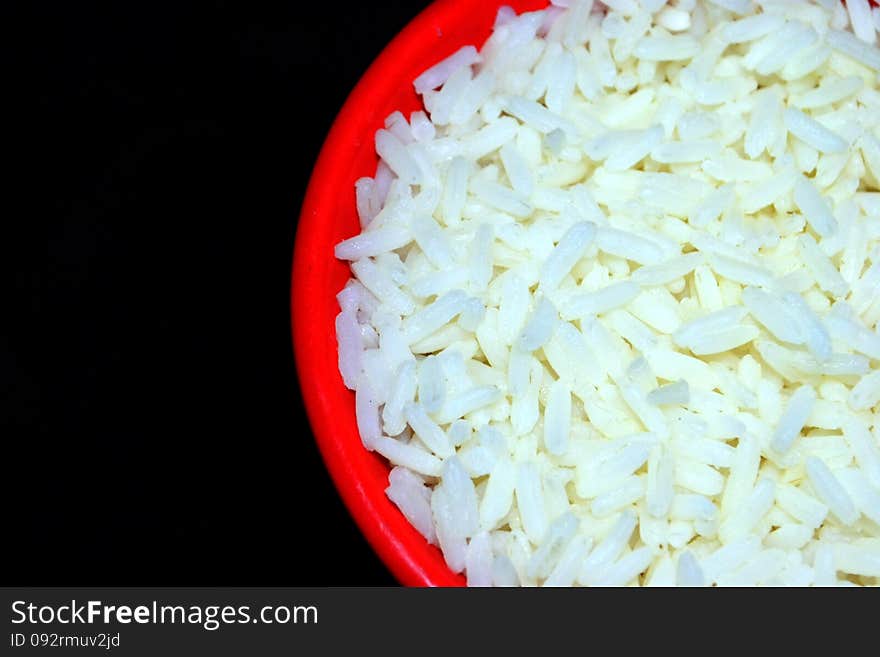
(153, 430)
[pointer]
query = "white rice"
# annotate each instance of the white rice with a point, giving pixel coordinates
(790, 425)
(566, 253)
(866, 393)
(831, 91)
(830, 491)
(413, 497)
(849, 45)
(823, 270)
(813, 133)
(752, 28)
(614, 311)
(666, 49)
(814, 208)
(865, 450)
(668, 271)
(736, 6)
(628, 245)
(440, 72)
(861, 20)
(595, 303)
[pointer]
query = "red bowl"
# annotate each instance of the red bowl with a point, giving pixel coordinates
(328, 217)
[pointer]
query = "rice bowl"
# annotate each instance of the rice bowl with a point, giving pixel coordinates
(614, 311)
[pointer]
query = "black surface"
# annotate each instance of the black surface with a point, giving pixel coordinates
(152, 424)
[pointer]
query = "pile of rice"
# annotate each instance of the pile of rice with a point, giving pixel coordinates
(614, 306)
